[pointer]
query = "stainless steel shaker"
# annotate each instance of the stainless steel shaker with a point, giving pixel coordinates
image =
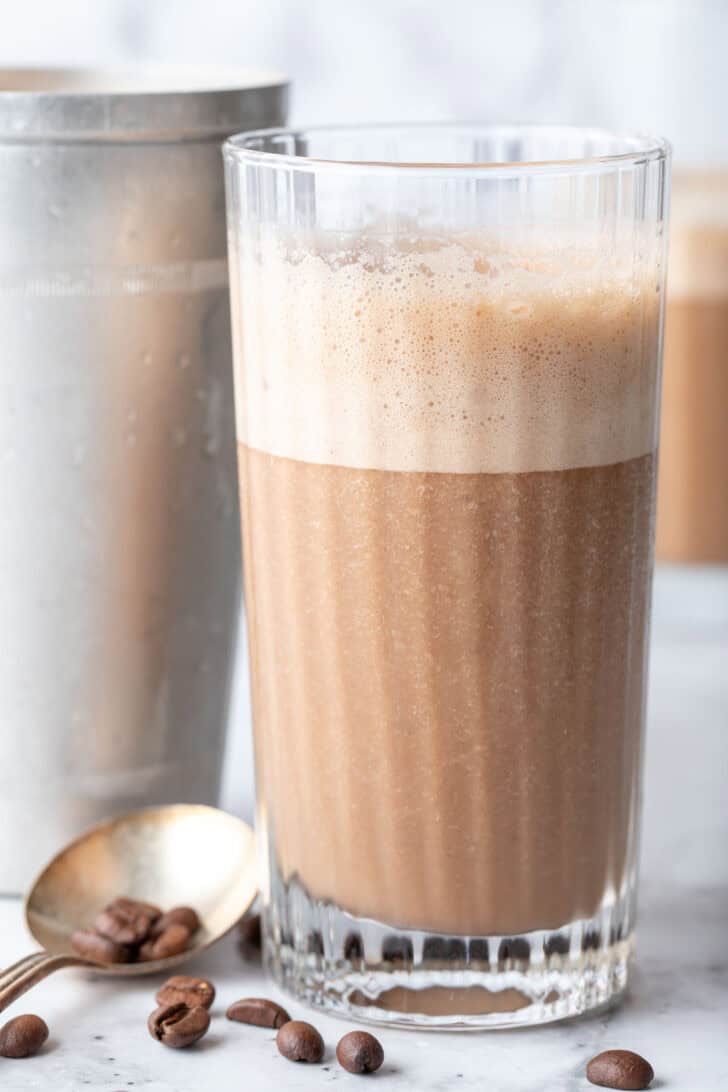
(119, 540)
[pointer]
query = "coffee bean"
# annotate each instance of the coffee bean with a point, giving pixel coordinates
(22, 1036)
(171, 942)
(180, 915)
(190, 991)
(178, 1025)
(620, 1069)
(123, 925)
(259, 1011)
(129, 929)
(122, 902)
(98, 949)
(300, 1042)
(249, 931)
(360, 1052)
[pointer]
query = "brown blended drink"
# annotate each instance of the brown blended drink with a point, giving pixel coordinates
(447, 460)
(692, 512)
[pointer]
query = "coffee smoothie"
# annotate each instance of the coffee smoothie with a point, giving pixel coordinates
(692, 511)
(447, 467)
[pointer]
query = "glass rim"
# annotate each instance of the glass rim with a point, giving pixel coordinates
(639, 148)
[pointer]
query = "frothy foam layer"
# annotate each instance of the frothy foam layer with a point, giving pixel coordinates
(444, 359)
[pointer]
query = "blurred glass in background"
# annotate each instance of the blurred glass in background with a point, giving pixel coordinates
(692, 522)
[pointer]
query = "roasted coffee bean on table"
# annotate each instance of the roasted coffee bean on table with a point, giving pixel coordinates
(300, 1042)
(187, 989)
(621, 1069)
(259, 1011)
(178, 1026)
(22, 1036)
(129, 929)
(360, 1052)
(171, 942)
(98, 949)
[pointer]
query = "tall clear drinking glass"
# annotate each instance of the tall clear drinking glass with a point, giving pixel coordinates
(447, 350)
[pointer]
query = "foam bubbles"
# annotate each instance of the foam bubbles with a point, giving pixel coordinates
(443, 358)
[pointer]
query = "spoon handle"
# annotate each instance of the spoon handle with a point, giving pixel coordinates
(31, 970)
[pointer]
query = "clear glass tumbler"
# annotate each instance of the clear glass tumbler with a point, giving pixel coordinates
(447, 351)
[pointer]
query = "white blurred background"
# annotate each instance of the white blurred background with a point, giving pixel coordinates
(655, 65)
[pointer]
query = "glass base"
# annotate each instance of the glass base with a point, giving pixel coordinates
(363, 969)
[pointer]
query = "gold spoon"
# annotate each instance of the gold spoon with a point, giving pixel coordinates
(178, 855)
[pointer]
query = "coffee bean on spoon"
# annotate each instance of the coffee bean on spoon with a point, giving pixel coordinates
(22, 1036)
(180, 915)
(300, 1042)
(92, 946)
(360, 1052)
(123, 902)
(171, 942)
(123, 924)
(178, 1026)
(187, 989)
(621, 1069)
(259, 1011)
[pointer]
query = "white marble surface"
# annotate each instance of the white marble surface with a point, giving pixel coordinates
(676, 1011)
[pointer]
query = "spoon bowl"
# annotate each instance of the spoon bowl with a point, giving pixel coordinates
(177, 855)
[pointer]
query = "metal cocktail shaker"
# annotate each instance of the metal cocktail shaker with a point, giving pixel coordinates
(119, 540)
